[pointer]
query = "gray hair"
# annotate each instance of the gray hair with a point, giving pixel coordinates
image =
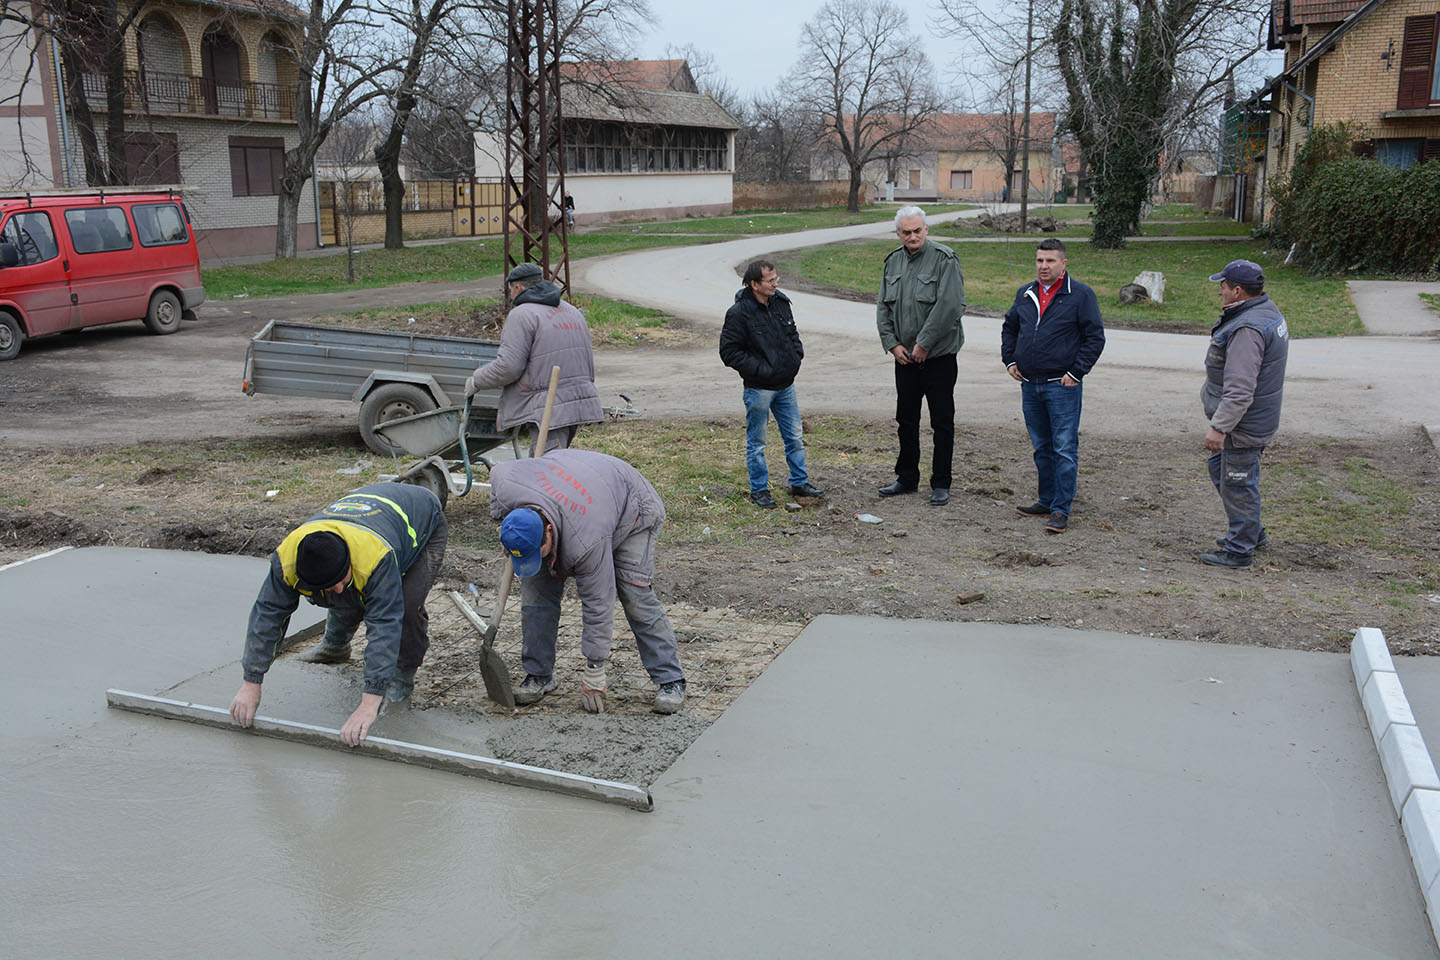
(906, 212)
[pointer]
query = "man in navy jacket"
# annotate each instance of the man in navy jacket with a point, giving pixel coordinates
(1051, 337)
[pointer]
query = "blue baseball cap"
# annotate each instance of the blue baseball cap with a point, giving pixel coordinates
(1240, 271)
(521, 533)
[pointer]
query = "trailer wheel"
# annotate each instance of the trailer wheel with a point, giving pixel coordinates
(431, 479)
(164, 314)
(10, 337)
(391, 402)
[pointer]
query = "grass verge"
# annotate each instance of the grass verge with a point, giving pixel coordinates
(611, 322)
(1313, 306)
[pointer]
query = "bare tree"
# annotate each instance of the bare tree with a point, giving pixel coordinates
(440, 137)
(341, 67)
(775, 139)
(1133, 71)
(709, 77)
(347, 152)
(863, 71)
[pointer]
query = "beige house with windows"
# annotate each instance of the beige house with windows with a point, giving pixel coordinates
(641, 141)
(958, 157)
(210, 93)
(1368, 63)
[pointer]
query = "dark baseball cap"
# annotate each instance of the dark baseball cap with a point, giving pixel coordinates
(1240, 271)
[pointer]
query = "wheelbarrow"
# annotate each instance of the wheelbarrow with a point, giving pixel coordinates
(445, 440)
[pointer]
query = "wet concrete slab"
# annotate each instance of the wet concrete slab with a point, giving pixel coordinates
(884, 789)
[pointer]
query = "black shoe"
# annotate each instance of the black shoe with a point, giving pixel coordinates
(1263, 543)
(807, 489)
(895, 489)
(1036, 510)
(1057, 523)
(533, 688)
(762, 499)
(1224, 558)
(939, 496)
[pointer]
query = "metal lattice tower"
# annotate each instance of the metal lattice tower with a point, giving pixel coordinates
(535, 228)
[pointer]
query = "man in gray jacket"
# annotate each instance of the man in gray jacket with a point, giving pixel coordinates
(1244, 380)
(540, 332)
(918, 314)
(575, 513)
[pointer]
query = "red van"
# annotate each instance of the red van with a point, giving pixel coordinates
(80, 260)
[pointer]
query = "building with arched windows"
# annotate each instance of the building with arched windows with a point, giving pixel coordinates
(209, 97)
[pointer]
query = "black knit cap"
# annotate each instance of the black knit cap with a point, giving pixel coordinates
(322, 560)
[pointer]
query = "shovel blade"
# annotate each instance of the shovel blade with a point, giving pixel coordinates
(497, 677)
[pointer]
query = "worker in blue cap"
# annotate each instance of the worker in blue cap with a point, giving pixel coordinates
(594, 518)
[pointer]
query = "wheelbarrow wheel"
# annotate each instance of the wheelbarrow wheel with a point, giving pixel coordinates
(391, 402)
(433, 480)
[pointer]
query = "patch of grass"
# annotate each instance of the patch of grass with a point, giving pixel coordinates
(776, 221)
(611, 322)
(1313, 306)
(1359, 509)
(1432, 300)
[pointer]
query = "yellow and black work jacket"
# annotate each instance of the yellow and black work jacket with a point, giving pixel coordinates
(386, 527)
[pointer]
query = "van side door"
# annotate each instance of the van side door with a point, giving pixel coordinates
(37, 284)
(103, 276)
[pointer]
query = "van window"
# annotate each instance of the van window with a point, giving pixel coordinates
(158, 224)
(33, 237)
(98, 230)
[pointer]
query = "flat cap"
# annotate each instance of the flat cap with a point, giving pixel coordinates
(524, 271)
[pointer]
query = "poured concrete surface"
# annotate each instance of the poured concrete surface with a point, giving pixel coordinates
(1035, 793)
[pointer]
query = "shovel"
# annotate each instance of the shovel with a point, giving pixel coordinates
(492, 665)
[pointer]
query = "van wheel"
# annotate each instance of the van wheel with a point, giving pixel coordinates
(10, 337)
(391, 402)
(164, 315)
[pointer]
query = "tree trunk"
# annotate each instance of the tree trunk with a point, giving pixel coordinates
(1025, 121)
(387, 158)
(114, 96)
(852, 202)
(287, 218)
(80, 114)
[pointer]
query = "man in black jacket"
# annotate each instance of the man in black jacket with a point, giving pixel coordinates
(760, 341)
(1050, 339)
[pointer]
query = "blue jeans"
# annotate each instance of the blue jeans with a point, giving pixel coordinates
(1052, 415)
(759, 404)
(1236, 475)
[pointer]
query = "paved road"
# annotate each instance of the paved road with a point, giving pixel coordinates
(1351, 386)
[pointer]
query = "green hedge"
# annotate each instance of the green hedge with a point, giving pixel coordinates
(1348, 214)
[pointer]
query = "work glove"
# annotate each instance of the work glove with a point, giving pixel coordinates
(592, 688)
(470, 388)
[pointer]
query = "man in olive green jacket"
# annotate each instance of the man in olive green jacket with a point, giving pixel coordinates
(922, 300)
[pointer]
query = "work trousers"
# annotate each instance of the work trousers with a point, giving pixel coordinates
(1052, 418)
(634, 559)
(558, 438)
(759, 405)
(1236, 475)
(347, 611)
(934, 382)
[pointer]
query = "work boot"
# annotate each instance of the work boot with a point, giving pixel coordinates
(806, 489)
(401, 686)
(1057, 523)
(1036, 510)
(670, 698)
(939, 496)
(763, 499)
(327, 653)
(1224, 558)
(533, 689)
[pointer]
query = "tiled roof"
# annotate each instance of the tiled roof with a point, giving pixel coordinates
(974, 131)
(1304, 12)
(640, 105)
(641, 74)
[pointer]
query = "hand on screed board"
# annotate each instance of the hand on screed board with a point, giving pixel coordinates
(246, 702)
(592, 687)
(359, 723)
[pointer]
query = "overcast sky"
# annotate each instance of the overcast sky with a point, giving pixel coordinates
(754, 41)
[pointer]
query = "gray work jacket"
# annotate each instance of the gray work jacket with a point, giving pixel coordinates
(1245, 372)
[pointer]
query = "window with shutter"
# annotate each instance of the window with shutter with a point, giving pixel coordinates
(256, 165)
(1418, 81)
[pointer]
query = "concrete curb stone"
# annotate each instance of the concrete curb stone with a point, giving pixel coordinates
(1409, 771)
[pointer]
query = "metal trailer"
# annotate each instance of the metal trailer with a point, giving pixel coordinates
(391, 375)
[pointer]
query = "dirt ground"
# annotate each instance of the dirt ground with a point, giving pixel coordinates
(1346, 551)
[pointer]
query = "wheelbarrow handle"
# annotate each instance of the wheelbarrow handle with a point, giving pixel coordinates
(464, 449)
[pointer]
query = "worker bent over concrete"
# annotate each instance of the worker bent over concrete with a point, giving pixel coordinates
(372, 555)
(575, 513)
(542, 331)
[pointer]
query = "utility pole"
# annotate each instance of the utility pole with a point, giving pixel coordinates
(1025, 120)
(535, 228)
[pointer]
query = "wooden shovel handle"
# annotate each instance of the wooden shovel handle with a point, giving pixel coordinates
(549, 409)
